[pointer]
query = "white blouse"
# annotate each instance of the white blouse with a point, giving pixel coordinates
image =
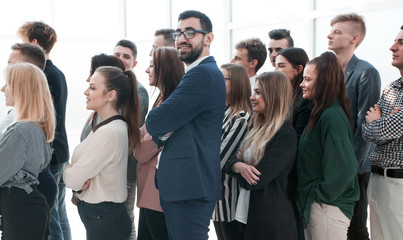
(101, 157)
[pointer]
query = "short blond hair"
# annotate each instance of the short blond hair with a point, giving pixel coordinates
(358, 24)
(32, 100)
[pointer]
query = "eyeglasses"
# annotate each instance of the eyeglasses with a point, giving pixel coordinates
(188, 34)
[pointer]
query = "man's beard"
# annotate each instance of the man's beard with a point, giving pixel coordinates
(193, 55)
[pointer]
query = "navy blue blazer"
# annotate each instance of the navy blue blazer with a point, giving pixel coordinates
(189, 166)
(58, 89)
(363, 90)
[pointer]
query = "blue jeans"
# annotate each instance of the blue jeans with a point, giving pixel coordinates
(59, 223)
(105, 220)
(189, 219)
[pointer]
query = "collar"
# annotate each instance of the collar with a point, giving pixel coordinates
(350, 66)
(116, 117)
(398, 83)
(195, 63)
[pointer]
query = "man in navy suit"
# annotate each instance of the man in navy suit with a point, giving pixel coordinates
(188, 126)
(363, 85)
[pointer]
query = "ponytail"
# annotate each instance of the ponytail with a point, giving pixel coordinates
(125, 85)
(131, 112)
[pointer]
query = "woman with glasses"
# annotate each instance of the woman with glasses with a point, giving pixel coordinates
(98, 169)
(235, 126)
(326, 166)
(24, 152)
(266, 157)
(165, 71)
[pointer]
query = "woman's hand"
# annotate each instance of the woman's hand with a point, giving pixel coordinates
(248, 172)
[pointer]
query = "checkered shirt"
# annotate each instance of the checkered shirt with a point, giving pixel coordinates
(387, 131)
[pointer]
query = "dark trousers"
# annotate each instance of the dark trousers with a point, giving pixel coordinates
(152, 225)
(189, 219)
(25, 216)
(105, 220)
(358, 225)
(233, 230)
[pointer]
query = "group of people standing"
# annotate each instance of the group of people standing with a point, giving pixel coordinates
(279, 155)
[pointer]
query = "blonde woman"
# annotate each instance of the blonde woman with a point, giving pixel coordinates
(266, 158)
(24, 152)
(235, 126)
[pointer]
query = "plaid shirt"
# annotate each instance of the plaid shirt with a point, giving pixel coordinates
(387, 131)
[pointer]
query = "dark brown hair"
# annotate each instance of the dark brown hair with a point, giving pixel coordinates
(296, 57)
(256, 50)
(329, 86)
(31, 53)
(168, 71)
(127, 99)
(105, 60)
(43, 33)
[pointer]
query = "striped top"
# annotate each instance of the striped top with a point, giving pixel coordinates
(24, 153)
(233, 132)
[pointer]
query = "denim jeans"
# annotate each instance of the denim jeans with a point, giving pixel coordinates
(59, 223)
(130, 201)
(105, 220)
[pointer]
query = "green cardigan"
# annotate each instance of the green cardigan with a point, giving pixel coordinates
(326, 165)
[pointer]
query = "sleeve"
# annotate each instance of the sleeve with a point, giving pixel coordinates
(384, 129)
(339, 167)
(147, 149)
(143, 95)
(228, 166)
(55, 89)
(183, 105)
(302, 117)
(232, 138)
(12, 154)
(279, 155)
(369, 89)
(96, 156)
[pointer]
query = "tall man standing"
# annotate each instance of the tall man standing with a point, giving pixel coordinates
(127, 51)
(188, 125)
(41, 34)
(384, 127)
(363, 90)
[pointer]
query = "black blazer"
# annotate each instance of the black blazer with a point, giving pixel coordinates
(271, 213)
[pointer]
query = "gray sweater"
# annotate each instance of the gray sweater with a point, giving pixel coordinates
(24, 153)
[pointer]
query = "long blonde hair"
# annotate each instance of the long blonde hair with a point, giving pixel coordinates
(32, 100)
(276, 91)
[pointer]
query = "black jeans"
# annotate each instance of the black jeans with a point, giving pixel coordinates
(25, 216)
(152, 225)
(105, 220)
(358, 226)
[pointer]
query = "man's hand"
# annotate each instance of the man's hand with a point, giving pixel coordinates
(373, 114)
